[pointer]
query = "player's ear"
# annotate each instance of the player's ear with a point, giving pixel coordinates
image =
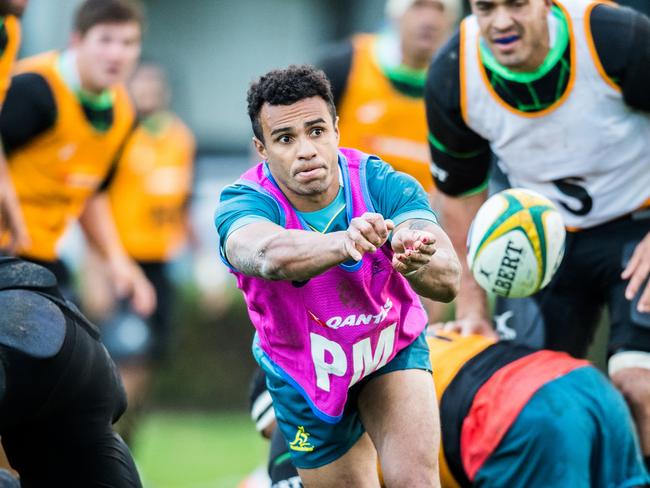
(336, 129)
(259, 147)
(75, 39)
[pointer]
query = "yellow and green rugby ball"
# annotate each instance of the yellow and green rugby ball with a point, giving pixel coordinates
(515, 243)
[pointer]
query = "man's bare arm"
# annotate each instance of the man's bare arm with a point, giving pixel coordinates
(426, 258)
(457, 214)
(272, 252)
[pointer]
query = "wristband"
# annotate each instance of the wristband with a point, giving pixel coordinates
(410, 273)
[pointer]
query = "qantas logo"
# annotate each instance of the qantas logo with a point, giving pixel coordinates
(354, 320)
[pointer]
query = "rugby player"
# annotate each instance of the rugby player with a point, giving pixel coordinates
(378, 83)
(340, 329)
(149, 198)
(518, 417)
(59, 390)
(65, 119)
(558, 92)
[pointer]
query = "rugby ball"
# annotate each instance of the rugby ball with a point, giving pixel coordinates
(515, 243)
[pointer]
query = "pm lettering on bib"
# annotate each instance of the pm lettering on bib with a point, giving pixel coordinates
(330, 359)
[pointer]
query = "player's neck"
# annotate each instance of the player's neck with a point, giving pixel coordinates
(415, 61)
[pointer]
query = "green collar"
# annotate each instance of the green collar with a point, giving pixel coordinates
(68, 69)
(156, 122)
(554, 55)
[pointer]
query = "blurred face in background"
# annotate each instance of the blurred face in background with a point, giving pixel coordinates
(424, 27)
(149, 90)
(301, 147)
(516, 31)
(12, 7)
(107, 54)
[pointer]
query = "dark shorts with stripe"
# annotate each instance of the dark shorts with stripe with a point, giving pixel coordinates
(326, 442)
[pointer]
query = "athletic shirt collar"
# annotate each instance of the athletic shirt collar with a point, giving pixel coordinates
(68, 69)
(559, 40)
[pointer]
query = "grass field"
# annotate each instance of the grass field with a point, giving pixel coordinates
(181, 450)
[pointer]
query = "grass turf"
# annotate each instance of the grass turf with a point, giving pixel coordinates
(181, 450)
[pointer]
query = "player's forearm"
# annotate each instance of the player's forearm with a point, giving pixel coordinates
(99, 228)
(440, 279)
(291, 255)
(457, 215)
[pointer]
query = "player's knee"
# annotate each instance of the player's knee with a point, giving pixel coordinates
(634, 384)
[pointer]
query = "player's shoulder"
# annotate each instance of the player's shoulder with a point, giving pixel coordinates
(379, 170)
(387, 186)
(613, 24)
(30, 323)
(238, 189)
(443, 76)
(30, 81)
(240, 198)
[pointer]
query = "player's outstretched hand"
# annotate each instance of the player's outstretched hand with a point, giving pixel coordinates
(129, 281)
(366, 234)
(413, 249)
(11, 219)
(637, 271)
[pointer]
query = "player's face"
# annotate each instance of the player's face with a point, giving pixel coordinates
(516, 31)
(300, 145)
(13, 7)
(107, 53)
(148, 90)
(424, 27)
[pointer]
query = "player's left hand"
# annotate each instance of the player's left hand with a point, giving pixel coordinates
(129, 281)
(637, 270)
(413, 249)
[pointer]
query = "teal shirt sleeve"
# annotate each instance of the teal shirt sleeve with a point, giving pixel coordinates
(395, 195)
(240, 205)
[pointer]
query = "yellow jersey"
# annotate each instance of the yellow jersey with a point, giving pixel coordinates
(376, 118)
(56, 172)
(150, 190)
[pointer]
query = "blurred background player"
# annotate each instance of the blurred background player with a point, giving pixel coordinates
(513, 82)
(12, 226)
(518, 417)
(378, 86)
(149, 198)
(378, 83)
(59, 390)
(64, 121)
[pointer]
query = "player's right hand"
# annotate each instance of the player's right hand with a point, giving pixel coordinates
(12, 226)
(366, 233)
(129, 281)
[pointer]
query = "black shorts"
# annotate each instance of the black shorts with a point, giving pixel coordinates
(130, 338)
(56, 415)
(161, 319)
(280, 468)
(589, 278)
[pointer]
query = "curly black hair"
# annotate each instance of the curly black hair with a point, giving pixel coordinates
(286, 87)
